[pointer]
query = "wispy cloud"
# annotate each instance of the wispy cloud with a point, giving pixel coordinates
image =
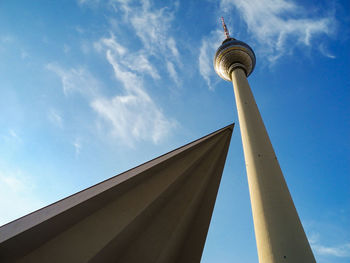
(7, 39)
(279, 25)
(133, 114)
(76, 80)
(172, 72)
(134, 61)
(11, 136)
(14, 135)
(85, 47)
(93, 3)
(66, 48)
(77, 145)
(324, 51)
(336, 251)
(55, 118)
(24, 54)
(152, 26)
(130, 116)
(171, 44)
(341, 250)
(17, 195)
(206, 53)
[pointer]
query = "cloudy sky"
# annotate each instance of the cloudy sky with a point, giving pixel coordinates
(91, 88)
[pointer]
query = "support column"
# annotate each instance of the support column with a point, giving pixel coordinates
(279, 234)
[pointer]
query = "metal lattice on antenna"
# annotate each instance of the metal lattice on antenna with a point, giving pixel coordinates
(227, 34)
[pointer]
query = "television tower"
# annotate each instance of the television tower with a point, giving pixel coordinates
(280, 236)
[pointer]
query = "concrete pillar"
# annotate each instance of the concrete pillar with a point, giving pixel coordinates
(280, 236)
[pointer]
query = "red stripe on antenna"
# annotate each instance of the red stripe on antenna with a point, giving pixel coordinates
(227, 34)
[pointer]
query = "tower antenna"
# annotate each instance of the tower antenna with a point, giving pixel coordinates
(227, 34)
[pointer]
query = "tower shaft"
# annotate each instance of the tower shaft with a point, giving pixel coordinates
(280, 236)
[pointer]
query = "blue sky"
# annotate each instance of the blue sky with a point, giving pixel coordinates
(91, 88)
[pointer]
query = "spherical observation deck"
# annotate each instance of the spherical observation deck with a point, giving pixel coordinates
(233, 54)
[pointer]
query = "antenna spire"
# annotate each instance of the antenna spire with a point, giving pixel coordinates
(227, 34)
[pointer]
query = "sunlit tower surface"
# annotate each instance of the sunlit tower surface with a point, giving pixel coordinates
(279, 234)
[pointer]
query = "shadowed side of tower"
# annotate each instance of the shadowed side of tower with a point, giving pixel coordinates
(157, 212)
(280, 236)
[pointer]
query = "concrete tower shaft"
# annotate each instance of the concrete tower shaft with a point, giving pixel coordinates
(279, 234)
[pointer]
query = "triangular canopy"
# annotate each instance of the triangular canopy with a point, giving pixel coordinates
(156, 212)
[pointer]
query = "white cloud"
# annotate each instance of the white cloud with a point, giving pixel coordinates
(77, 145)
(336, 251)
(89, 2)
(342, 250)
(85, 47)
(141, 63)
(79, 29)
(17, 196)
(205, 67)
(55, 118)
(11, 137)
(172, 72)
(112, 44)
(325, 52)
(7, 39)
(133, 61)
(75, 80)
(24, 54)
(66, 48)
(133, 115)
(278, 25)
(152, 26)
(13, 134)
(172, 46)
(206, 54)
